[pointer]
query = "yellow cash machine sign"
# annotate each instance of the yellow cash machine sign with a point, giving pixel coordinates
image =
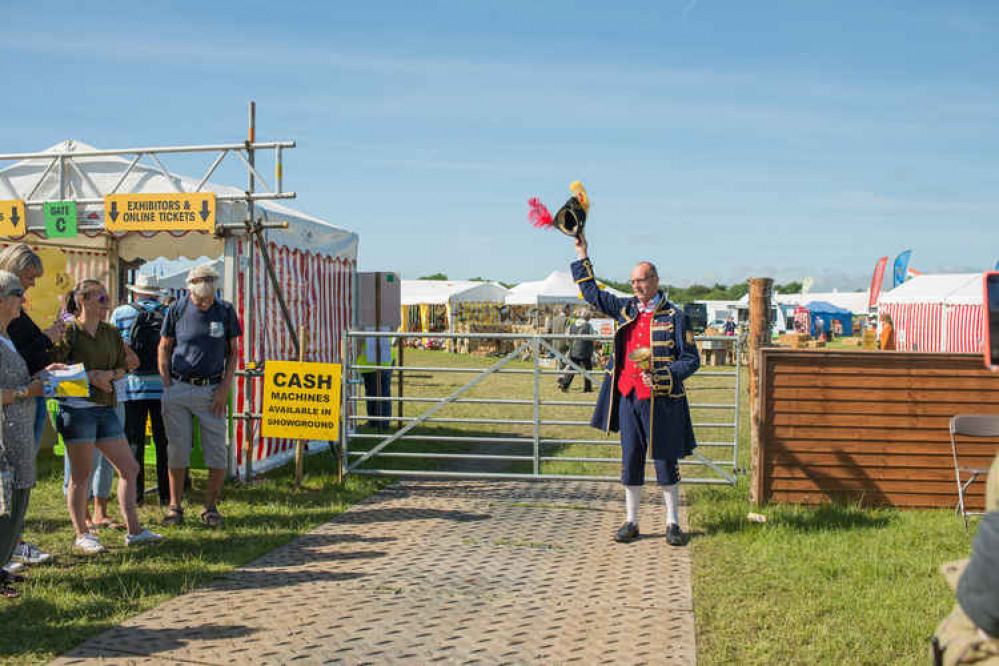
(301, 400)
(192, 211)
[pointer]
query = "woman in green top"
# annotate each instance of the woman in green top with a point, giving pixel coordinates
(88, 422)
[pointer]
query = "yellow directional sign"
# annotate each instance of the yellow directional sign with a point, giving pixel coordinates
(193, 211)
(301, 400)
(12, 219)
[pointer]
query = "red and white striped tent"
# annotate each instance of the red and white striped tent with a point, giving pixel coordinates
(935, 313)
(315, 261)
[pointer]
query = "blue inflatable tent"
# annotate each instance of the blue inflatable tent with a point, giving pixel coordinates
(828, 312)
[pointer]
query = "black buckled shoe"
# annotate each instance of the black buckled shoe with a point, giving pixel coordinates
(627, 532)
(674, 536)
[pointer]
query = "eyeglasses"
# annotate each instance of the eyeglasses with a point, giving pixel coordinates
(100, 298)
(639, 280)
(199, 280)
(15, 292)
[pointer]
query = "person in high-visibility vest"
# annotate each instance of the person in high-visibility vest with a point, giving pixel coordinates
(377, 383)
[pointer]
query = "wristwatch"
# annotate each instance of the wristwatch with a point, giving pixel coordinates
(21, 393)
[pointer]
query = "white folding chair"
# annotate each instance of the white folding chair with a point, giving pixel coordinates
(970, 425)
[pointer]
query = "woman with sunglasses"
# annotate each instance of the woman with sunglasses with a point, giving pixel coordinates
(86, 423)
(17, 416)
(34, 345)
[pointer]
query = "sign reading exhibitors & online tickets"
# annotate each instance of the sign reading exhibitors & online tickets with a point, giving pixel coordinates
(301, 400)
(183, 211)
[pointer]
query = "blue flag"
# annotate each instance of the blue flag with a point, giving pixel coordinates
(901, 265)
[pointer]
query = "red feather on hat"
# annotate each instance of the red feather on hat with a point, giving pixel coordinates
(538, 215)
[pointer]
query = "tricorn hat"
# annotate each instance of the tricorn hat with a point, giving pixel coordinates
(571, 217)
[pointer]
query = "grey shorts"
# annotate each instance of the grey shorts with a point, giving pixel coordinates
(181, 403)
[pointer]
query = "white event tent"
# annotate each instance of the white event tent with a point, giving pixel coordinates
(315, 261)
(557, 289)
(941, 312)
(470, 296)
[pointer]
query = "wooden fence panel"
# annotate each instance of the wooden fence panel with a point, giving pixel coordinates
(869, 426)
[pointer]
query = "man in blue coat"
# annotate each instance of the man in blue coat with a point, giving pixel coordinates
(645, 402)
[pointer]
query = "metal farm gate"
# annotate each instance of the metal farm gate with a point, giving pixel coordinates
(498, 413)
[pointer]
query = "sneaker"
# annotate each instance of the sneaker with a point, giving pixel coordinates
(145, 536)
(626, 533)
(89, 544)
(674, 535)
(12, 567)
(29, 553)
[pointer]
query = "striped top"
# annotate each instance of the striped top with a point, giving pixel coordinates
(136, 387)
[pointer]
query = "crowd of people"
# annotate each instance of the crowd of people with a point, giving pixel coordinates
(167, 364)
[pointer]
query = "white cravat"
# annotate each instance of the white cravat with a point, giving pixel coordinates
(651, 307)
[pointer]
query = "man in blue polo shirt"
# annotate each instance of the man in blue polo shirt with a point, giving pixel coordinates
(197, 363)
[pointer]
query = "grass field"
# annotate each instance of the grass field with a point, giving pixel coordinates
(830, 585)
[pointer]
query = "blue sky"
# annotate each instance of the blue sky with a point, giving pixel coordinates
(721, 140)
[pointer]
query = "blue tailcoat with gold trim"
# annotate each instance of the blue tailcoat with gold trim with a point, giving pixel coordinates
(674, 358)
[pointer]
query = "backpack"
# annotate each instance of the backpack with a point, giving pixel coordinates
(145, 339)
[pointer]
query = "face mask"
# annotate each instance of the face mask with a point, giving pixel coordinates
(202, 289)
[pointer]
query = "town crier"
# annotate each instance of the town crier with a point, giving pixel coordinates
(642, 395)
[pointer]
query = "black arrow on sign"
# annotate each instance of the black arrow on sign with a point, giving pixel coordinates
(204, 211)
(114, 211)
(14, 217)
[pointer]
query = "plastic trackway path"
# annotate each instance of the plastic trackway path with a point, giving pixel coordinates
(432, 571)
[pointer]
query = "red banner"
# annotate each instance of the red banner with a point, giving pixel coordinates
(879, 274)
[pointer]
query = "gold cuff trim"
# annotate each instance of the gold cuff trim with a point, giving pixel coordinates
(589, 271)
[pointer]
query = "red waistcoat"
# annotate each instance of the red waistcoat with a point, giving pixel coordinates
(636, 335)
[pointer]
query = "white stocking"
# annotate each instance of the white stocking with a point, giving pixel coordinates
(671, 500)
(632, 497)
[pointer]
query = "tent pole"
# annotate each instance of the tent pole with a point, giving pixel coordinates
(248, 360)
(230, 266)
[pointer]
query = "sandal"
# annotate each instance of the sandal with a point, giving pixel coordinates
(174, 517)
(8, 592)
(211, 517)
(107, 525)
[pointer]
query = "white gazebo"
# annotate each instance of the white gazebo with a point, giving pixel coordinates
(452, 294)
(557, 289)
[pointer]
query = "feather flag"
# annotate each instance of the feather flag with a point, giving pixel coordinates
(899, 270)
(876, 281)
(538, 215)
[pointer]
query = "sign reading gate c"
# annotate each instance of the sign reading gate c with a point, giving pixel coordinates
(191, 211)
(301, 400)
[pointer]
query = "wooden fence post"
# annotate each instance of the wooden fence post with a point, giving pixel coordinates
(759, 336)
